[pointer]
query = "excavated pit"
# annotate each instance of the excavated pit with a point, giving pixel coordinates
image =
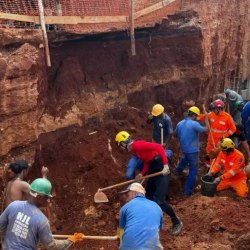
(66, 117)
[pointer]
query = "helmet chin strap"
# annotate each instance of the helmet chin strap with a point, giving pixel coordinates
(128, 144)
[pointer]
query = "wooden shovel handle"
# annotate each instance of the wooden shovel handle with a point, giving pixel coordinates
(89, 237)
(208, 124)
(130, 181)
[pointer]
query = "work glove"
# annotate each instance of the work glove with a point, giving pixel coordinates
(165, 170)
(76, 237)
(217, 180)
(138, 177)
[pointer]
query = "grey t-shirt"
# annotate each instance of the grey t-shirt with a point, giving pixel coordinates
(22, 225)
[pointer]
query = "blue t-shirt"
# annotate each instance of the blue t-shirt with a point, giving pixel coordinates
(245, 113)
(188, 131)
(141, 220)
(162, 122)
(24, 225)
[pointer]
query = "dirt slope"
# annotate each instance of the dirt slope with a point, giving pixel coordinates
(81, 163)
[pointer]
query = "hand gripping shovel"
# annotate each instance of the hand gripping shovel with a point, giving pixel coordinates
(101, 197)
(87, 237)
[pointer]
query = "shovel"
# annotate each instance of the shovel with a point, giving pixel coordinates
(210, 132)
(87, 237)
(101, 197)
(208, 124)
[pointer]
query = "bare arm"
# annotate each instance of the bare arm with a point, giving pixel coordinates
(24, 186)
(59, 245)
(45, 172)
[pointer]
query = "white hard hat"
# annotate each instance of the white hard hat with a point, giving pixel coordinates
(137, 187)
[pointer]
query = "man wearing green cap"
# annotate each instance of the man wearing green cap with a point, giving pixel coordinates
(23, 225)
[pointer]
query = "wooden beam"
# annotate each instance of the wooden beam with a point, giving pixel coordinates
(132, 28)
(152, 8)
(21, 18)
(84, 19)
(45, 37)
(64, 19)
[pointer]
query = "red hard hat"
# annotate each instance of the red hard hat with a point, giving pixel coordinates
(218, 103)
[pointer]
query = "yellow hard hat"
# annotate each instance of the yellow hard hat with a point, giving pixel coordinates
(226, 144)
(122, 136)
(157, 110)
(195, 110)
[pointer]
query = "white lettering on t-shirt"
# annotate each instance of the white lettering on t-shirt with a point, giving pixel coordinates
(21, 225)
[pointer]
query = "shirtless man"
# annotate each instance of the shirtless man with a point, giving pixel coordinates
(17, 188)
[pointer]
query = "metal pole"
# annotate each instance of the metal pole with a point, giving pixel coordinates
(181, 4)
(132, 28)
(45, 37)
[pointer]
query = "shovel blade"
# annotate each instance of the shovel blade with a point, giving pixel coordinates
(100, 197)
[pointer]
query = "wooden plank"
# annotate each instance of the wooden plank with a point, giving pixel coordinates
(21, 18)
(152, 8)
(64, 19)
(84, 19)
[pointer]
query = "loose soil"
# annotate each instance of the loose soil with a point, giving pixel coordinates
(82, 159)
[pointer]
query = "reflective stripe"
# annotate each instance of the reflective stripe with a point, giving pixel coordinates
(232, 172)
(230, 132)
(218, 131)
(223, 161)
(231, 163)
(218, 165)
(221, 122)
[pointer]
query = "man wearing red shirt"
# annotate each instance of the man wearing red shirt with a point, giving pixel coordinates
(154, 160)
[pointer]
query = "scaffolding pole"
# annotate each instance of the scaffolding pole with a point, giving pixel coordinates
(45, 37)
(132, 28)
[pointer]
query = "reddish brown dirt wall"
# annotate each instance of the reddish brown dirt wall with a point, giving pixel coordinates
(95, 85)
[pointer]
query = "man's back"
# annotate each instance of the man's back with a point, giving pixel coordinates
(187, 131)
(141, 220)
(16, 190)
(24, 224)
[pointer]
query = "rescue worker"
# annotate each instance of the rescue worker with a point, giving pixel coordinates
(154, 160)
(221, 124)
(22, 224)
(232, 162)
(140, 221)
(162, 132)
(135, 165)
(234, 102)
(187, 132)
(162, 125)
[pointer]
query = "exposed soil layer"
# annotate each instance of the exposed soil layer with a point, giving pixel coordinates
(66, 117)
